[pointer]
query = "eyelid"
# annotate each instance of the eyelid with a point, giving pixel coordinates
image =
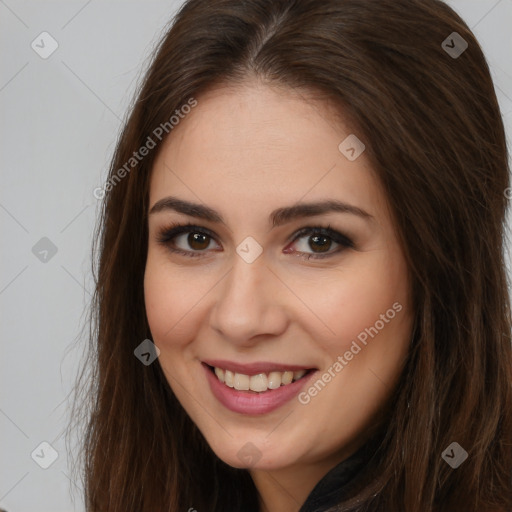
(166, 234)
(328, 231)
(173, 230)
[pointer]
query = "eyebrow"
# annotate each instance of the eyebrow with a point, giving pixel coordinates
(277, 217)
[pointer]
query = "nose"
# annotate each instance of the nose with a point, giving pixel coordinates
(248, 304)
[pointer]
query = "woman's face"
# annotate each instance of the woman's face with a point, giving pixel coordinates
(255, 291)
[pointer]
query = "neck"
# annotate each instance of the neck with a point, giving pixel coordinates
(288, 488)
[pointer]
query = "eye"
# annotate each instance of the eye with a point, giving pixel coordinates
(195, 240)
(320, 240)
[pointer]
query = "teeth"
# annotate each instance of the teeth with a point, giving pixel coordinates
(299, 374)
(241, 382)
(229, 378)
(274, 380)
(287, 378)
(220, 374)
(258, 383)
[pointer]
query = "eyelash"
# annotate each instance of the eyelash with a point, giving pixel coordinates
(167, 234)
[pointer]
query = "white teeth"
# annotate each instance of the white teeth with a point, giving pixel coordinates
(229, 378)
(260, 382)
(299, 374)
(274, 380)
(287, 378)
(241, 382)
(220, 374)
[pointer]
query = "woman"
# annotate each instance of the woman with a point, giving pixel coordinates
(301, 298)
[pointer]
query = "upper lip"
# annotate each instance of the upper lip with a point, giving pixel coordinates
(255, 368)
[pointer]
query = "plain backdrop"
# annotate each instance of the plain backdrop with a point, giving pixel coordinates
(60, 118)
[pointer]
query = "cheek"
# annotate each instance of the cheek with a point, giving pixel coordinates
(171, 301)
(372, 347)
(347, 303)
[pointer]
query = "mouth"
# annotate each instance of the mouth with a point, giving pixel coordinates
(258, 383)
(256, 388)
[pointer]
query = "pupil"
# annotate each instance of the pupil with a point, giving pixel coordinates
(325, 245)
(196, 239)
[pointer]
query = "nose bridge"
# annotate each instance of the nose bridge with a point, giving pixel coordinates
(245, 305)
(244, 281)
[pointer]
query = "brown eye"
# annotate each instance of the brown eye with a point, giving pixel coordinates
(194, 241)
(319, 241)
(198, 241)
(188, 240)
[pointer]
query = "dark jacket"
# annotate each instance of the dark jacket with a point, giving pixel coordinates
(333, 487)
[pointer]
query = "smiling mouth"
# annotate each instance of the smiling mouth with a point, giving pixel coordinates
(259, 383)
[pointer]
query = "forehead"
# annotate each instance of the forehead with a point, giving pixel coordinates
(264, 146)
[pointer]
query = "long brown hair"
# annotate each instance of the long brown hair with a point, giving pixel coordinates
(433, 131)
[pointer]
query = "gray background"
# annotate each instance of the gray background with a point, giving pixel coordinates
(60, 118)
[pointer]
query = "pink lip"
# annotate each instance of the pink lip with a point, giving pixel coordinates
(254, 368)
(245, 402)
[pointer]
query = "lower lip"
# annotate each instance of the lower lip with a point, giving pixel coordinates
(254, 403)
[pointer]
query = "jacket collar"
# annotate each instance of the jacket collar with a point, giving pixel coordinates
(334, 486)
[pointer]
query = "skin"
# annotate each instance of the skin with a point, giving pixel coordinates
(245, 151)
